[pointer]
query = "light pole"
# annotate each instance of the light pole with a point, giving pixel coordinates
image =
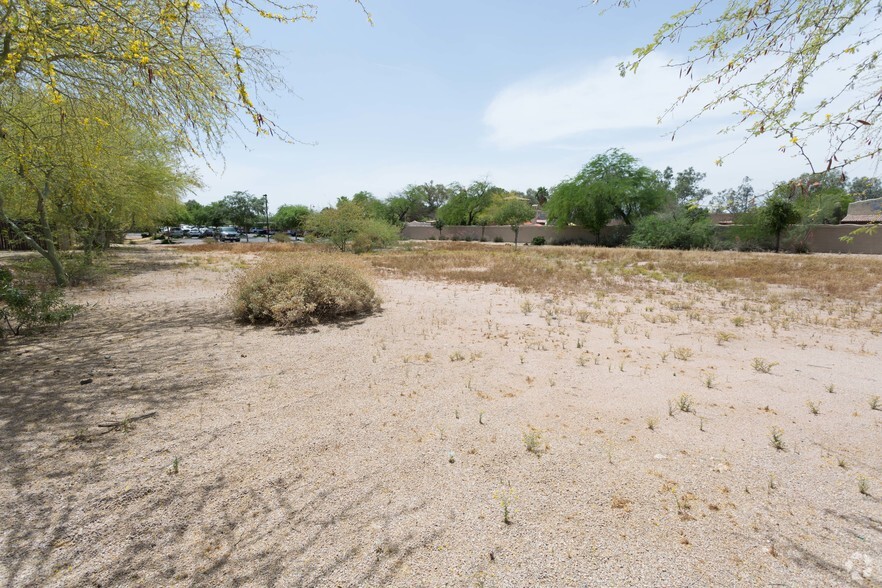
(266, 210)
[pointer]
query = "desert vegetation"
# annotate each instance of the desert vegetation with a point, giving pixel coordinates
(501, 398)
(305, 289)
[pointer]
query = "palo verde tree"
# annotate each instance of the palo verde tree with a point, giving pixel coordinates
(182, 71)
(170, 64)
(762, 55)
(80, 176)
(349, 224)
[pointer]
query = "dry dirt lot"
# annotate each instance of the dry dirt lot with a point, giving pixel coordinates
(623, 422)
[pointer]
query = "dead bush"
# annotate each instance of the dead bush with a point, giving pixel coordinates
(305, 289)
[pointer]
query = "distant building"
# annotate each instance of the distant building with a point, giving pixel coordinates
(864, 212)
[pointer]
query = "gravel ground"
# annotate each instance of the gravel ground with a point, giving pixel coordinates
(385, 451)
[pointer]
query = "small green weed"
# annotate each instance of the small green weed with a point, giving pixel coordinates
(777, 439)
(762, 366)
(534, 443)
(684, 403)
(682, 353)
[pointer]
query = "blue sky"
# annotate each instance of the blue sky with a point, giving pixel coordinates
(523, 92)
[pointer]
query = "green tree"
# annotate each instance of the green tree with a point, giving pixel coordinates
(80, 177)
(169, 64)
(211, 215)
(348, 224)
(408, 205)
(541, 196)
(243, 209)
(513, 212)
(762, 55)
(680, 230)
(291, 217)
(466, 205)
(612, 185)
(373, 206)
(194, 210)
(687, 187)
(434, 195)
(735, 200)
(776, 214)
(819, 198)
(864, 188)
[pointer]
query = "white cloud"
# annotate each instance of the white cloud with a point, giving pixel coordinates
(549, 107)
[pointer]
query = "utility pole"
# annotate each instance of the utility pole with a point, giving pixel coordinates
(266, 210)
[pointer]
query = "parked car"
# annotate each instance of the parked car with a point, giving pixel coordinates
(228, 234)
(176, 234)
(207, 233)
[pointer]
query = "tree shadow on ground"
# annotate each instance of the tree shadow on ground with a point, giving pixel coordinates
(83, 509)
(341, 323)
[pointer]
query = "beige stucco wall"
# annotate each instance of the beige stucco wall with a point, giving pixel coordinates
(525, 235)
(821, 238)
(826, 239)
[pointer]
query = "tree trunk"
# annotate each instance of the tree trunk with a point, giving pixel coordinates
(516, 229)
(778, 242)
(49, 251)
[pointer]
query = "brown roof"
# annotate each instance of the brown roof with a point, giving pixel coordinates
(861, 219)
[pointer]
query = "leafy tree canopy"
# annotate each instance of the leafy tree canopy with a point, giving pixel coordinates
(818, 198)
(761, 55)
(88, 178)
(350, 225)
(736, 200)
(291, 216)
(467, 204)
(865, 188)
(242, 208)
(170, 64)
(511, 210)
(612, 185)
(776, 214)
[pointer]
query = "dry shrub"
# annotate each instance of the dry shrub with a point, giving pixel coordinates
(291, 290)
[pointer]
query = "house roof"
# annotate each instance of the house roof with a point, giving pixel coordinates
(861, 219)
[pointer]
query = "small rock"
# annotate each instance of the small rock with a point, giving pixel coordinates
(660, 456)
(85, 381)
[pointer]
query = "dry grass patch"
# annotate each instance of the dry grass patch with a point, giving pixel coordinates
(262, 247)
(572, 268)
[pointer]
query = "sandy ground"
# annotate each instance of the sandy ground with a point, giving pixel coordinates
(383, 451)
